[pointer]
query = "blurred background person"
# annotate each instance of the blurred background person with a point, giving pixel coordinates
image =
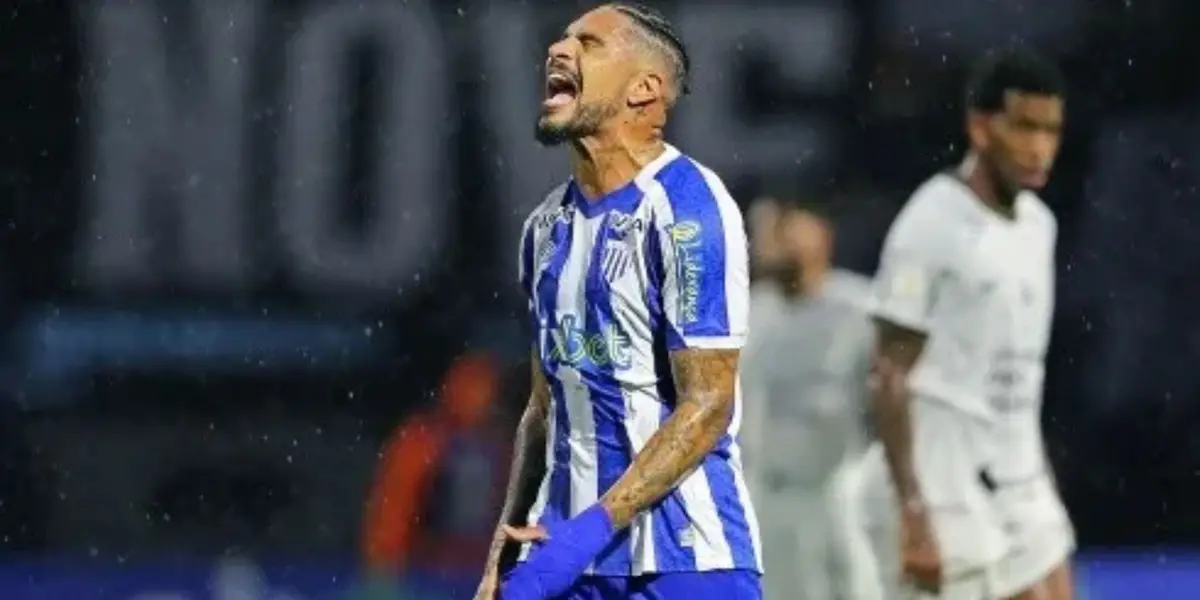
(439, 481)
(804, 377)
(964, 296)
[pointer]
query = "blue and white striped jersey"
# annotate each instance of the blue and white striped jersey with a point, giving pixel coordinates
(616, 284)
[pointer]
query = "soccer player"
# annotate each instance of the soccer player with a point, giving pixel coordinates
(804, 379)
(963, 307)
(638, 278)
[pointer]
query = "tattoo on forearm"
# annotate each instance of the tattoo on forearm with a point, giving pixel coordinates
(706, 381)
(897, 351)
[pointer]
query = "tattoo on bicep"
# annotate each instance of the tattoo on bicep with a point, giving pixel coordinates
(704, 376)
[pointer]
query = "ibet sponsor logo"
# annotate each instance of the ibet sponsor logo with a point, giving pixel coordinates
(575, 347)
(689, 268)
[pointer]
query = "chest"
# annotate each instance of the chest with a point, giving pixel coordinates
(1007, 276)
(595, 285)
(804, 345)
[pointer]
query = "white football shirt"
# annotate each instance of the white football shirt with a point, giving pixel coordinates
(980, 287)
(804, 376)
(1022, 338)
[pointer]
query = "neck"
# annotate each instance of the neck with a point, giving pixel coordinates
(983, 183)
(603, 163)
(808, 282)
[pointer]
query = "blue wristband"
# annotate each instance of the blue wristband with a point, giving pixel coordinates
(554, 565)
(592, 528)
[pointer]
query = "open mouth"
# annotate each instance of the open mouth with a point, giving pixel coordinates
(561, 89)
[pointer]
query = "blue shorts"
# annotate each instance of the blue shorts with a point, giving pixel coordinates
(707, 585)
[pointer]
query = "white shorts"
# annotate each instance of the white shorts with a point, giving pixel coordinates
(1041, 536)
(949, 451)
(970, 586)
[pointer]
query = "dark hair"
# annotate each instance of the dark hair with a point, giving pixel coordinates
(822, 209)
(1011, 70)
(655, 25)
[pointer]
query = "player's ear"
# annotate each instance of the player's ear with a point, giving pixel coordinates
(977, 130)
(646, 89)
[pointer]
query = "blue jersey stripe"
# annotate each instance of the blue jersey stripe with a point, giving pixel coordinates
(736, 527)
(670, 516)
(613, 448)
(671, 521)
(558, 505)
(698, 240)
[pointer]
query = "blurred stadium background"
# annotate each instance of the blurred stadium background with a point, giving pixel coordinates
(246, 240)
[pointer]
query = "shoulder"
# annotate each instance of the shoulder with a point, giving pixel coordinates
(547, 208)
(849, 288)
(934, 216)
(691, 192)
(1040, 214)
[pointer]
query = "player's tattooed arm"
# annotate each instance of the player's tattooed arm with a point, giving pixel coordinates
(897, 349)
(529, 457)
(706, 380)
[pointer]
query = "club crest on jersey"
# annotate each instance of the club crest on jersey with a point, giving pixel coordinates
(615, 260)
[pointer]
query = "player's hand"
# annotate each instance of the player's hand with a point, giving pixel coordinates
(489, 584)
(920, 558)
(525, 534)
(560, 555)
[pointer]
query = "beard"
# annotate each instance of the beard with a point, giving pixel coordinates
(783, 272)
(1006, 188)
(586, 121)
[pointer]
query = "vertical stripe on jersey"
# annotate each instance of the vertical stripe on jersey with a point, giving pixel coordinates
(754, 559)
(697, 244)
(558, 492)
(613, 454)
(574, 349)
(672, 520)
(713, 495)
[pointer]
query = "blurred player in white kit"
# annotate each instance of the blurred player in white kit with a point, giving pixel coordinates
(804, 376)
(961, 500)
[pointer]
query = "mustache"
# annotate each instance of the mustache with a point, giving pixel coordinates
(559, 67)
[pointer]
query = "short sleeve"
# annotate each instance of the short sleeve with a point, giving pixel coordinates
(910, 269)
(705, 265)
